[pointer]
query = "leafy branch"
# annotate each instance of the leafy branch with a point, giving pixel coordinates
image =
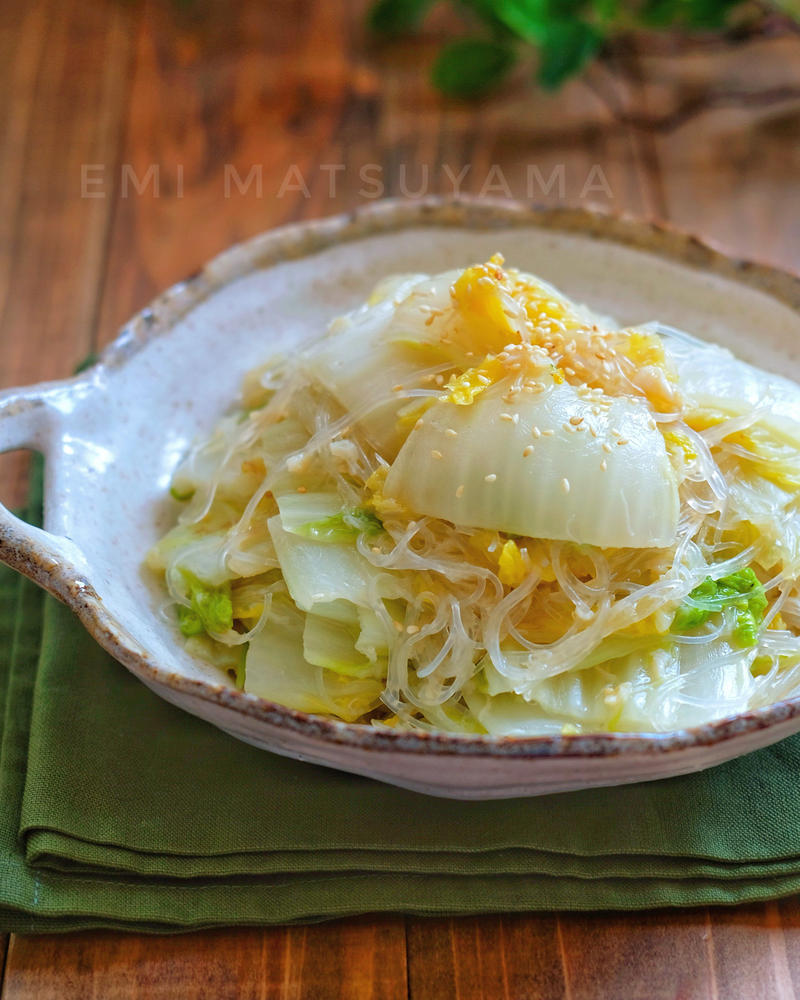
(566, 34)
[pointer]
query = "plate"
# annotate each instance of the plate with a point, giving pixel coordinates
(113, 435)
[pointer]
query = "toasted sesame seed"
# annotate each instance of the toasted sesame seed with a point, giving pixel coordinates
(527, 450)
(593, 430)
(412, 629)
(450, 432)
(575, 420)
(565, 485)
(397, 388)
(490, 478)
(622, 441)
(302, 489)
(460, 491)
(606, 446)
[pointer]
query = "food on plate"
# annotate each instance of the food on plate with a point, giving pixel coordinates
(475, 506)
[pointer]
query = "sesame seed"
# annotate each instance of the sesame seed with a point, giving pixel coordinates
(484, 379)
(604, 465)
(606, 447)
(439, 379)
(398, 626)
(515, 418)
(412, 629)
(376, 549)
(418, 424)
(435, 453)
(593, 430)
(302, 489)
(575, 420)
(397, 388)
(527, 450)
(548, 433)
(460, 491)
(490, 478)
(450, 432)
(507, 417)
(565, 485)
(536, 432)
(622, 441)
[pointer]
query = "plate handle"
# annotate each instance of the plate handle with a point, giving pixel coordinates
(53, 561)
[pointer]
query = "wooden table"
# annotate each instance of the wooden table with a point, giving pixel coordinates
(102, 98)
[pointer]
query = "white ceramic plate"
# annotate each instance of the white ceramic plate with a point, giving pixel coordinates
(113, 435)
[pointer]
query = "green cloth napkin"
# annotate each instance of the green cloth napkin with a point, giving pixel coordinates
(119, 810)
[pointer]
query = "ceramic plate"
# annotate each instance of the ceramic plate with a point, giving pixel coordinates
(113, 435)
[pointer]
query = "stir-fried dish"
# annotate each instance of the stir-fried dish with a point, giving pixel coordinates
(475, 506)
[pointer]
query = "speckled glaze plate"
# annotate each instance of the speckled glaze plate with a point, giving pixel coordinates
(113, 435)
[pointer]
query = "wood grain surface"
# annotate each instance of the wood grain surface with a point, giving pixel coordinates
(141, 137)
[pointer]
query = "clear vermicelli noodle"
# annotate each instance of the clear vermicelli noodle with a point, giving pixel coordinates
(474, 506)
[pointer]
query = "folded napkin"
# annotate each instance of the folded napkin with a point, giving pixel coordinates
(119, 810)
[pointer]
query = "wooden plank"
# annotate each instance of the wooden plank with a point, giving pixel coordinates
(485, 958)
(719, 132)
(216, 101)
(657, 955)
(754, 950)
(345, 960)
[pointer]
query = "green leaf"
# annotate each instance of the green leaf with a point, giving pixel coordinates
(210, 608)
(189, 621)
(526, 18)
(345, 526)
(397, 17)
(472, 66)
(566, 47)
(741, 590)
